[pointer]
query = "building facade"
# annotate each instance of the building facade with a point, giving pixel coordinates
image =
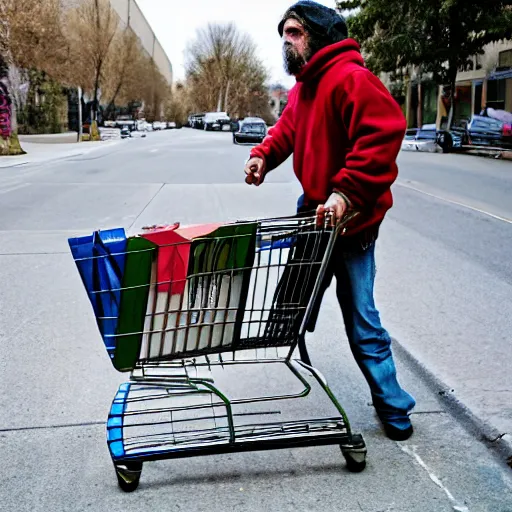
(131, 15)
(487, 84)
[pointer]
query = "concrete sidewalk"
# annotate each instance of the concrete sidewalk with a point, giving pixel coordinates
(42, 152)
(490, 153)
(50, 138)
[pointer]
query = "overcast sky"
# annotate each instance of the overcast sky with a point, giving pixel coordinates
(176, 21)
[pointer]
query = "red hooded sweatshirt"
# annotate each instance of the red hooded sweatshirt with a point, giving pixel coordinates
(345, 131)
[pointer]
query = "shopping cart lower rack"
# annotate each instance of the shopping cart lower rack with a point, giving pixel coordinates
(205, 318)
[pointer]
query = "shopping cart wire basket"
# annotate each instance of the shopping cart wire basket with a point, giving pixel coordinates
(181, 309)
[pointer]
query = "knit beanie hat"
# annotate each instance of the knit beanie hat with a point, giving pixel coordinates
(317, 19)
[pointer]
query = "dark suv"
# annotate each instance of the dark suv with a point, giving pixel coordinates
(486, 131)
(251, 130)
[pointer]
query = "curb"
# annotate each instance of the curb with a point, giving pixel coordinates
(79, 152)
(489, 153)
(40, 162)
(498, 442)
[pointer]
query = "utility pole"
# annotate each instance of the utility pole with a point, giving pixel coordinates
(80, 129)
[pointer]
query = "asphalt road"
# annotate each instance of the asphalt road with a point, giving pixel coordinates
(444, 289)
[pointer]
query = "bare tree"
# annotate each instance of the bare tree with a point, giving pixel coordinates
(224, 72)
(156, 92)
(30, 36)
(36, 38)
(123, 69)
(82, 46)
(91, 28)
(177, 105)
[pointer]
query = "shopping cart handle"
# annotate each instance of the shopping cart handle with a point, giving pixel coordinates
(341, 226)
(348, 217)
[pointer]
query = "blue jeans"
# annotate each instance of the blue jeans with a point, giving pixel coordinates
(369, 341)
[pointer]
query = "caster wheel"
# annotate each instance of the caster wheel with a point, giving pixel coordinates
(356, 462)
(355, 454)
(128, 475)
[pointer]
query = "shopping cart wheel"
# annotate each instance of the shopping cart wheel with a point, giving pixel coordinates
(356, 462)
(128, 475)
(355, 454)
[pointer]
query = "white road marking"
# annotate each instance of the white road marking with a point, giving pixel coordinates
(412, 452)
(153, 150)
(451, 201)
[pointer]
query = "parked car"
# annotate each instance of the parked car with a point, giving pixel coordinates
(158, 125)
(486, 131)
(250, 129)
(125, 132)
(128, 121)
(196, 121)
(429, 139)
(216, 121)
(143, 126)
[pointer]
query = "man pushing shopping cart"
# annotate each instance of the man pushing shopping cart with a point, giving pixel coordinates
(345, 131)
(181, 307)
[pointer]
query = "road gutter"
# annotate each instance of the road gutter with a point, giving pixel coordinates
(498, 442)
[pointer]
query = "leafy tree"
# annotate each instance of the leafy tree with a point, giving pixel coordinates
(441, 36)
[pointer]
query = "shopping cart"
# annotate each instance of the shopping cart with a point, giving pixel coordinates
(194, 312)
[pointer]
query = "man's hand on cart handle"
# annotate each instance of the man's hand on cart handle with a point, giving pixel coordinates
(255, 170)
(334, 209)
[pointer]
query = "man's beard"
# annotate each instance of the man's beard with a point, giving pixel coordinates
(294, 61)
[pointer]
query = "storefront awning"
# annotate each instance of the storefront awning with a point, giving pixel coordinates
(501, 75)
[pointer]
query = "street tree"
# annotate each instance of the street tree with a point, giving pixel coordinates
(224, 73)
(30, 37)
(216, 54)
(91, 28)
(178, 105)
(440, 36)
(124, 70)
(154, 91)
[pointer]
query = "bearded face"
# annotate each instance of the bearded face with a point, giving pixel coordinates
(294, 61)
(298, 46)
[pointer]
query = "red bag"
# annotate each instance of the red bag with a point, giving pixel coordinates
(173, 253)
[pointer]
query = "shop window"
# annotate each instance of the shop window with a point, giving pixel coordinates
(478, 99)
(505, 60)
(496, 90)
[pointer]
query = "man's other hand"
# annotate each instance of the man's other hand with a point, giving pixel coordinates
(255, 169)
(335, 207)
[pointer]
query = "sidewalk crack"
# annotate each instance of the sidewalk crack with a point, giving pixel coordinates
(499, 438)
(49, 427)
